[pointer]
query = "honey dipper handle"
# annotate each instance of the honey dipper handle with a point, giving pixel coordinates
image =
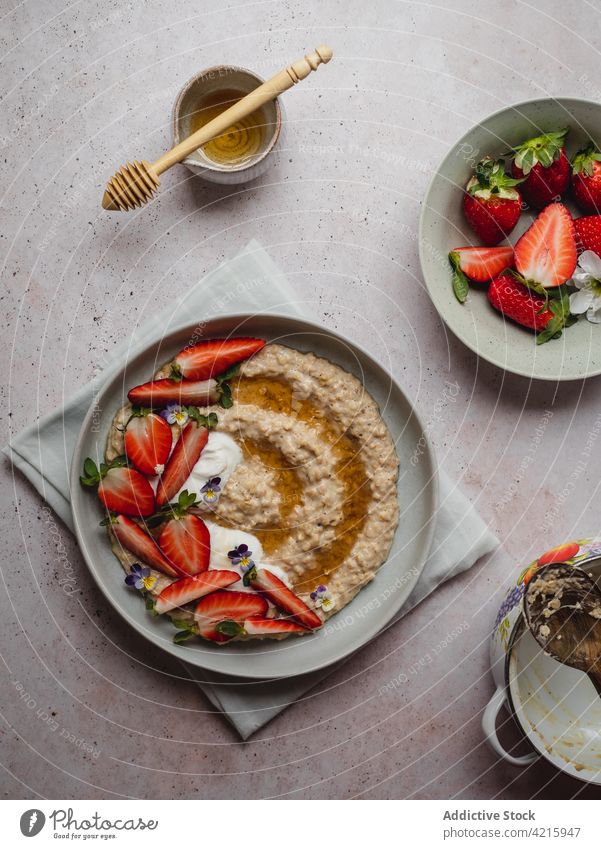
(269, 90)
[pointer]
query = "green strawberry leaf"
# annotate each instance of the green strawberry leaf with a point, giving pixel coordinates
(249, 576)
(182, 636)
(230, 372)
(560, 307)
(229, 628)
(182, 624)
(461, 286)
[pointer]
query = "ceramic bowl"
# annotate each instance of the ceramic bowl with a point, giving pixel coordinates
(577, 353)
(378, 601)
(208, 82)
(556, 707)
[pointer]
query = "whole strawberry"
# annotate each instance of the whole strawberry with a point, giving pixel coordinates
(543, 163)
(491, 202)
(522, 305)
(588, 233)
(586, 178)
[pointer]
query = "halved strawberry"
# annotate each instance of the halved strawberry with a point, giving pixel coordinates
(147, 441)
(121, 490)
(278, 593)
(479, 264)
(213, 356)
(226, 605)
(189, 589)
(256, 627)
(546, 253)
(159, 393)
(134, 539)
(184, 457)
(185, 541)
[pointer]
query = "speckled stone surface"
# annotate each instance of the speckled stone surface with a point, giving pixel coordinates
(87, 710)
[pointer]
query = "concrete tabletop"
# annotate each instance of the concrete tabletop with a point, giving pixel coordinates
(87, 710)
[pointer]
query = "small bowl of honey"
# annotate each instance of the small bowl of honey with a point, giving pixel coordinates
(241, 153)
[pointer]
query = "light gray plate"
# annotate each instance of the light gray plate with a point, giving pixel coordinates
(577, 353)
(372, 608)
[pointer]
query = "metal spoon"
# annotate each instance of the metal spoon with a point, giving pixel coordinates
(562, 607)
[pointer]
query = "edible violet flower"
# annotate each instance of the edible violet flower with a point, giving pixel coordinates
(587, 280)
(140, 578)
(175, 414)
(241, 556)
(320, 598)
(210, 491)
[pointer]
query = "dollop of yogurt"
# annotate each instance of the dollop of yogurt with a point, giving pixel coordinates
(227, 539)
(219, 458)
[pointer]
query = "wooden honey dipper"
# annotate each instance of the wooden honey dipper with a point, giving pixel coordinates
(136, 182)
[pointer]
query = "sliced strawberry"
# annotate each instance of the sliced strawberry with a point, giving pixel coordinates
(159, 393)
(278, 593)
(189, 589)
(214, 356)
(186, 543)
(482, 264)
(546, 253)
(184, 457)
(134, 539)
(124, 490)
(257, 627)
(226, 605)
(148, 442)
(479, 264)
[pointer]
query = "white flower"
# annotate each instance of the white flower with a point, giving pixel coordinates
(587, 280)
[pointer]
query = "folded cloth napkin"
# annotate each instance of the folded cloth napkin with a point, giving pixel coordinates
(250, 282)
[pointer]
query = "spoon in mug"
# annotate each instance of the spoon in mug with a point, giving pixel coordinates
(562, 607)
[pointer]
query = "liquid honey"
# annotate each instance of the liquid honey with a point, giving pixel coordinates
(240, 142)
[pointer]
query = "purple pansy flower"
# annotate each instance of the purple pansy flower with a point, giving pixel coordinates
(320, 598)
(175, 414)
(241, 556)
(140, 578)
(210, 491)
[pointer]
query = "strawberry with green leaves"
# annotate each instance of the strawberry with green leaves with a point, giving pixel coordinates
(586, 179)
(542, 164)
(491, 202)
(547, 316)
(121, 489)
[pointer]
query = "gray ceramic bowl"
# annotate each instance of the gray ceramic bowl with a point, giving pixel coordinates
(372, 608)
(577, 353)
(206, 83)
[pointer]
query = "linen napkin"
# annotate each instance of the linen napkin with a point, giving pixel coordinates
(250, 282)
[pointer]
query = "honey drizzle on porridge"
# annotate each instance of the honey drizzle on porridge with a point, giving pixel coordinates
(276, 395)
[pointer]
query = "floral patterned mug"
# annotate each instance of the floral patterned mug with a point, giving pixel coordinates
(567, 704)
